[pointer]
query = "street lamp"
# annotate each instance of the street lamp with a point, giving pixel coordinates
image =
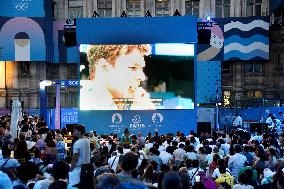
(43, 101)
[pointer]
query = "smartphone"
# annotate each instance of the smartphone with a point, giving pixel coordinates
(197, 178)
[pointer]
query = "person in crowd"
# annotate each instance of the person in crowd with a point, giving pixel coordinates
(154, 156)
(50, 148)
(238, 122)
(243, 182)
(128, 164)
(60, 147)
(172, 180)
(224, 176)
(107, 181)
(247, 154)
(81, 153)
(237, 161)
(5, 181)
(194, 171)
(26, 172)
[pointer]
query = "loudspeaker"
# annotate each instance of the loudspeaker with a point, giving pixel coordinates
(70, 127)
(70, 37)
(258, 127)
(204, 36)
(203, 127)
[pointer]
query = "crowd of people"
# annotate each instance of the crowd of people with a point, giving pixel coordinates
(41, 158)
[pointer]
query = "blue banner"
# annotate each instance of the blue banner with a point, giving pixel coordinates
(22, 8)
(68, 116)
(165, 121)
(168, 29)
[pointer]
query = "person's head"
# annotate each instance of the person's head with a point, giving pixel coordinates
(280, 183)
(79, 130)
(5, 181)
(58, 185)
(244, 178)
(171, 180)
(119, 67)
(60, 170)
(27, 171)
(202, 150)
(195, 163)
(237, 149)
(129, 161)
(107, 181)
(6, 151)
(222, 169)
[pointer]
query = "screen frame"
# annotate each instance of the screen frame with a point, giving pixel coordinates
(140, 31)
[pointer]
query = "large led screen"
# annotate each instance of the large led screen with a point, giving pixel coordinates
(137, 77)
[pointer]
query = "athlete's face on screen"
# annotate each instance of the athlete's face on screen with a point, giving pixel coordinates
(127, 74)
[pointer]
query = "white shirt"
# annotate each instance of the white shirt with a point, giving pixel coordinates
(178, 153)
(236, 163)
(11, 163)
(148, 146)
(82, 147)
(198, 146)
(165, 156)
(191, 155)
(216, 173)
(242, 186)
(162, 148)
(225, 148)
(238, 121)
(43, 184)
(193, 172)
(113, 162)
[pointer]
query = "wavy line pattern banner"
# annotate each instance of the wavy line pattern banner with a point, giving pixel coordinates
(246, 27)
(246, 39)
(246, 49)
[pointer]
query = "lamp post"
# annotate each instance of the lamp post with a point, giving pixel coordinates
(43, 101)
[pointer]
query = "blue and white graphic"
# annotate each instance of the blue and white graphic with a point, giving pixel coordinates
(116, 118)
(136, 119)
(166, 121)
(206, 86)
(157, 118)
(246, 39)
(22, 8)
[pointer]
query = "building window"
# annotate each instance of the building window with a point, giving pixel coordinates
(257, 94)
(253, 67)
(105, 8)
(24, 68)
(226, 97)
(254, 94)
(162, 8)
(52, 71)
(222, 8)
(226, 67)
(192, 8)
(72, 71)
(75, 12)
(134, 7)
(253, 7)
